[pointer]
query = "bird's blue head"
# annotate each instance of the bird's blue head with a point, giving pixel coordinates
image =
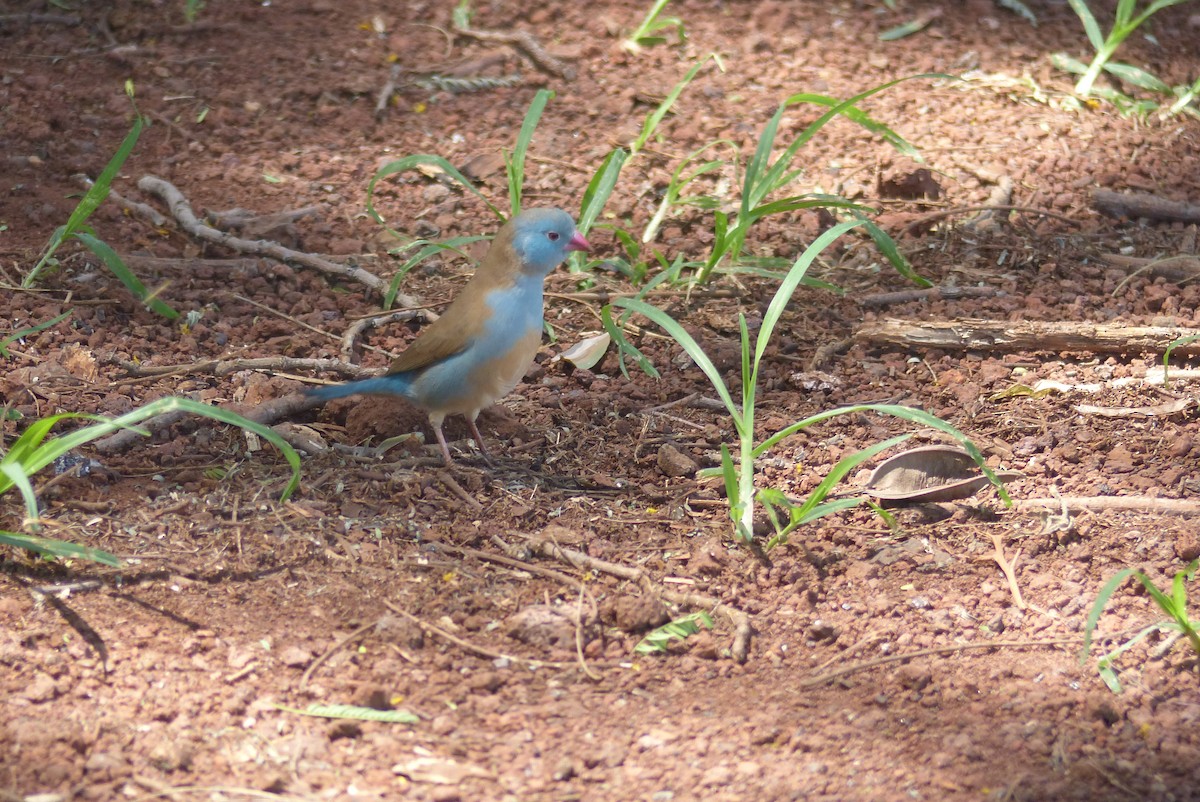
(542, 239)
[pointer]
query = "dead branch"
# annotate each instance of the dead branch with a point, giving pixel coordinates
(1141, 204)
(854, 668)
(181, 210)
(1002, 336)
(930, 294)
(1165, 506)
(266, 414)
(743, 630)
(1181, 267)
(350, 338)
(224, 367)
(1010, 570)
(146, 212)
(527, 45)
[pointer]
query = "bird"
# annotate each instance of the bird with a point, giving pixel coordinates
(482, 345)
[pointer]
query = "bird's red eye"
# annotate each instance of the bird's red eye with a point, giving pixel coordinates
(553, 235)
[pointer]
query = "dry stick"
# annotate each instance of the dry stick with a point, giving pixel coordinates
(930, 294)
(812, 682)
(1166, 506)
(454, 487)
(137, 260)
(351, 335)
(181, 210)
(224, 367)
(525, 43)
(1181, 267)
(579, 637)
(932, 216)
(742, 628)
(343, 643)
(1009, 569)
(1140, 204)
(265, 414)
(481, 651)
(146, 212)
(512, 562)
(999, 335)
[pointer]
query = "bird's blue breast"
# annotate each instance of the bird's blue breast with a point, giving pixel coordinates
(481, 373)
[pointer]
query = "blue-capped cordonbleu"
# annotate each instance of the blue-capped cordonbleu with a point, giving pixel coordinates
(481, 346)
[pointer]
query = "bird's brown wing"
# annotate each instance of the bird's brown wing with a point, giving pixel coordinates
(445, 337)
(463, 320)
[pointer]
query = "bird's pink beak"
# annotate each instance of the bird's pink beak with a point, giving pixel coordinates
(578, 243)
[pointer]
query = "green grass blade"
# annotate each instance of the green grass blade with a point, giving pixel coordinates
(859, 116)
(354, 712)
(25, 332)
(690, 346)
(1090, 26)
(624, 347)
(410, 162)
(16, 476)
(515, 164)
(48, 547)
(840, 471)
(918, 416)
(788, 286)
(95, 195)
(1093, 618)
(596, 195)
(114, 263)
(1161, 599)
(887, 246)
(427, 248)
(655, 117)
(1138, 77)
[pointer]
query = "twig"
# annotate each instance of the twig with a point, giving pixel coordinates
(930, 294)
(149, 213)
(181, 210)
(579, 635)
(995, 336)
(1009, 569)
(1140, 204)
(351, 335)
(266, 414)
(526, 44)
(346, 641)
(854, 668)
(932, 216)
(743, 630)
(481, 651)
(1165, 506)
(224, 367)
(454, 487)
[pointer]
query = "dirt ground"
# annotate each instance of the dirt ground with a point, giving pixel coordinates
(885, 663)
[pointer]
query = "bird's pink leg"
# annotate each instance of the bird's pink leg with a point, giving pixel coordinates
(441, 438)
(477, 436)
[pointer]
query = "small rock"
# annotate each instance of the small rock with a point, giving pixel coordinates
(344, 729)
(295, 657)
(673, 462)
(716, 776)
(171, 755)
(42, 689)
(1187, 547)
(564, 770)
(489, 681)
(821, 630)
(635, 613)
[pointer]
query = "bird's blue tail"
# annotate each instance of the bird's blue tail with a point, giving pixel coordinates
(391, 384)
